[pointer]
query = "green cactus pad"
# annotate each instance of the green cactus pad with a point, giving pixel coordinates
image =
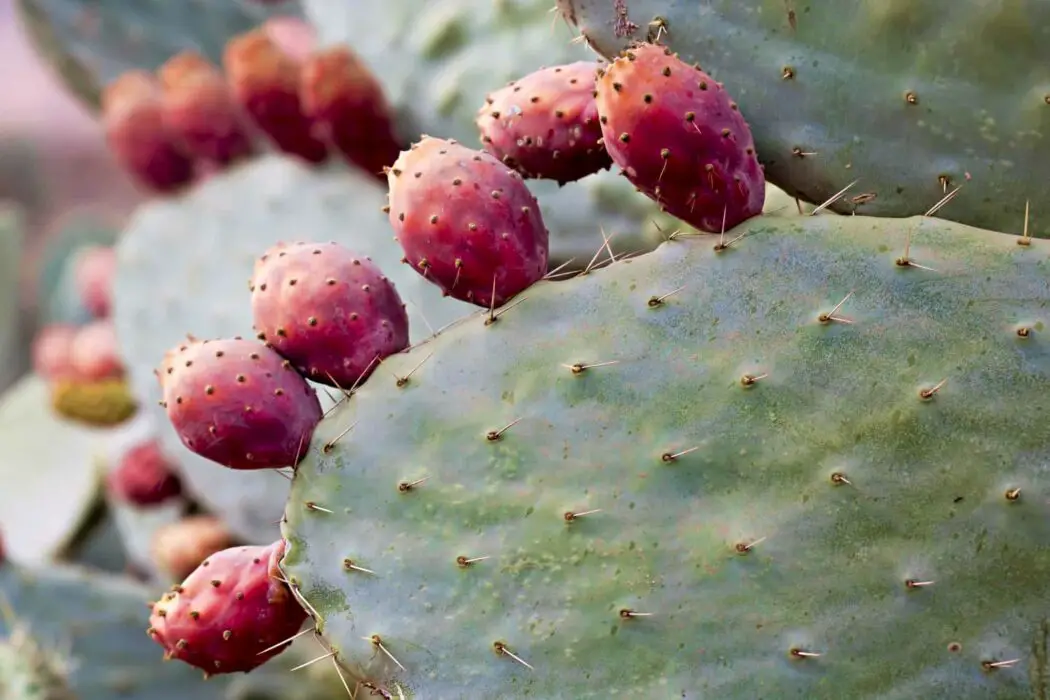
(895, 94)
(450, 55)
(91, 42)
(763, 483)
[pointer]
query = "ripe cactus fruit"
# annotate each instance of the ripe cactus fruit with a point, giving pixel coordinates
(679, 137)
(94, 353)
(199, 108)
(466, 222)
(706, 472)
(93, 271)
(265, 81)
(144, 476)
(179, 547)
(346, 104)
(545, 124)
(52, 351)
(231, 614)
(238, 403)
(330, 311)
(132, 114)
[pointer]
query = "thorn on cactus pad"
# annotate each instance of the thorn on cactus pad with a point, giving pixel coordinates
(310, 505)
(349, 565)
(1026, 238)
(672, 456)
(406, 486)
(403, 380)
(501, 649)
(311, 662)
(377, 642)
(990, 665)
(928, 393)
(840, 479)
(912, 583)
(746, 547)
(464, 562)
(571, 517)
(657, 301)
(328, 446)
(494, 435)
(797, 653)
(628, 614)
(749, 380)
(580, 367)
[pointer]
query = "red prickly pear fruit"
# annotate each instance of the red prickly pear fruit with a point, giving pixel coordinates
(347, 104)
(229, 612)
(143, 477)
(333, 313)
(132, 113)
(179, 547)
(93, 274)
(95, 353)
(265, 81)
(466, 222)
(680, 139)
(238, 403)
(545, 125)
(199, 108)
(53, 351)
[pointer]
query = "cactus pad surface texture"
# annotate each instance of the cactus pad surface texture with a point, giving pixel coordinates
(909, 98)
(807, 464)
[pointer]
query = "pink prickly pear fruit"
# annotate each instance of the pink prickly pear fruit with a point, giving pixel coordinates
(231, 614)
(52, 351)
(680, 139)
(330, 311)
(199, 108)
(545, 125)
(93, 274)
(265, 81)
(466, 222)
(95, 353)
(238, 403)
(294, 36)
(347, 104)
(144, 477)
(179, 547)
(141, 143)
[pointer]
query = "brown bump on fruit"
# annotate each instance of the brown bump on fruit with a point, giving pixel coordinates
(702, 85)
(911, 98)
(625, 138)
(690, 116)
(181, 644)
(215, 583)
(433, 219)
(617, 87)
(666, 71)
(209, 390)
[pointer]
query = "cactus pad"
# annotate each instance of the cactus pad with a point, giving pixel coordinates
(910, 99)
(709, 471)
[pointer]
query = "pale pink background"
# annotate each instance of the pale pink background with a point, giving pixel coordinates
(79, 175)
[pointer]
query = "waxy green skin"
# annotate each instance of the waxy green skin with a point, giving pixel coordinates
(893, 94)
(922, 491)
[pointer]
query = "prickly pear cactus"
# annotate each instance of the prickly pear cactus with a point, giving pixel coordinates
(872, 92)
(91, 43)
(184, 266)
(804, 461)
(452, 53)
